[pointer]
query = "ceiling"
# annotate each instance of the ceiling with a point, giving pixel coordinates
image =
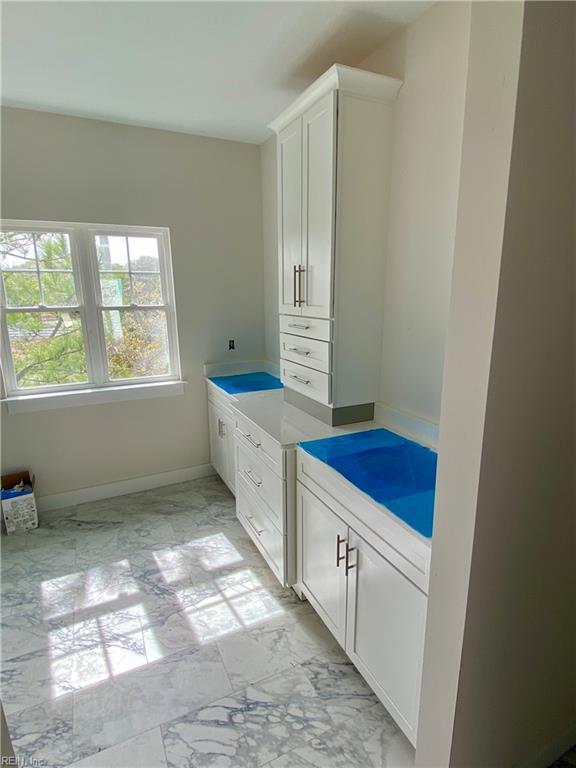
(221, 69)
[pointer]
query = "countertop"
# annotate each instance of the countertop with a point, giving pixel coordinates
(244, 383)
(287, 424)
(397, 473)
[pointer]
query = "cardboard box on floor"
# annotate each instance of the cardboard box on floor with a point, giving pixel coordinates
(19, 511)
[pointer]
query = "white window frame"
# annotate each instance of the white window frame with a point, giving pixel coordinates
(88, 290)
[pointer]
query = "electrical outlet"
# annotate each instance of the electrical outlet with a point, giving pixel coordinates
(231, 344)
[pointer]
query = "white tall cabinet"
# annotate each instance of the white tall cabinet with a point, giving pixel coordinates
(332, 151)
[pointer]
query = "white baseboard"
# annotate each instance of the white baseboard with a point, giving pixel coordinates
(122, 487)
(407, 424)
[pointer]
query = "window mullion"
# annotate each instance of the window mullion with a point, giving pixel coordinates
(94, 337)
(8, 368)
(40, 285)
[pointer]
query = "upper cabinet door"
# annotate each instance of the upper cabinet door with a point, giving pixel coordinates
(290, 217)
(318, 205)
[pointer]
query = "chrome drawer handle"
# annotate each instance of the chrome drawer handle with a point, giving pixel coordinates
(251, 439)
(299, 325)
(298, 378)
(250, 518)
(250, 475)
(339, 557)
(348, 566)
(299, 351)
(300, 271)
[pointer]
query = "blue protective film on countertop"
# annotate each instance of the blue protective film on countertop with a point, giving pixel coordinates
(246, 382)
(392, 470)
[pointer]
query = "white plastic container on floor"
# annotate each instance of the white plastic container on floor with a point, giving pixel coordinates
(19, 509)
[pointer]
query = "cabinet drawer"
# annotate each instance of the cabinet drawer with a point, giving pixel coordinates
(265, 483)
(255, 438)
(260, 529)
(311, 383)
(310, 352)
(311, 328)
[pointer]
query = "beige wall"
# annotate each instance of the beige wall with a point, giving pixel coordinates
(499, 685)
(517, 688)
(430, 56)
(270, 247)
(207, 192)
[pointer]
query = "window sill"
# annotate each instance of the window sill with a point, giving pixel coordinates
(53, 400)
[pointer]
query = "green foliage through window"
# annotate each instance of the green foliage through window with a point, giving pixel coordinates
(44, 317)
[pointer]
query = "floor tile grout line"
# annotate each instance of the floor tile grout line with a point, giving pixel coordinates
(294, 664)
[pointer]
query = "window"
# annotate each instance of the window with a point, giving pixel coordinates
(86, 306)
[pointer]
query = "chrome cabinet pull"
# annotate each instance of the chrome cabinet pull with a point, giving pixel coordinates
(294, 279)
(221, 432)
(299, 378)
(301, 271)
(250, 518)
(339, 557)
(299, 325)
(299, 351)
(252, 477)
(348, 550)
(251, 439)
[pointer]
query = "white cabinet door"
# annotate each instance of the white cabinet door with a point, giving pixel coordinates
(227, 437)
(221, 435)
(319, 164)
(218, 453)
(290, 216)
(385, 631)
(321, 560)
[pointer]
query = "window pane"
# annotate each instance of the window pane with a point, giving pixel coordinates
(136, 343)
(143, 254)
(17, 250)
(53, 251)
(115, 288)
(112, 253)
(47, 348)
(21, 289)
(146, 289)
(59, 289)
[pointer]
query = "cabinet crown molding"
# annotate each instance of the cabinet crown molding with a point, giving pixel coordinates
(358, 82)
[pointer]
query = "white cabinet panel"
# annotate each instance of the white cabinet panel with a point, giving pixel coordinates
(309, 352)
(322, 576)
(319, 164)
(311, 328)
(248, 434)
(385, 631)
(290, 215)
(265, 483)
(314, 384)
(221, 437)
(271, 543)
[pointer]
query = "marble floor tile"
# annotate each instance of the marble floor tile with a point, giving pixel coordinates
(24, 629)
(148, 631)
(44, 733)
(143, 751)
(249, 728)
(272, 646)
(124, 706)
